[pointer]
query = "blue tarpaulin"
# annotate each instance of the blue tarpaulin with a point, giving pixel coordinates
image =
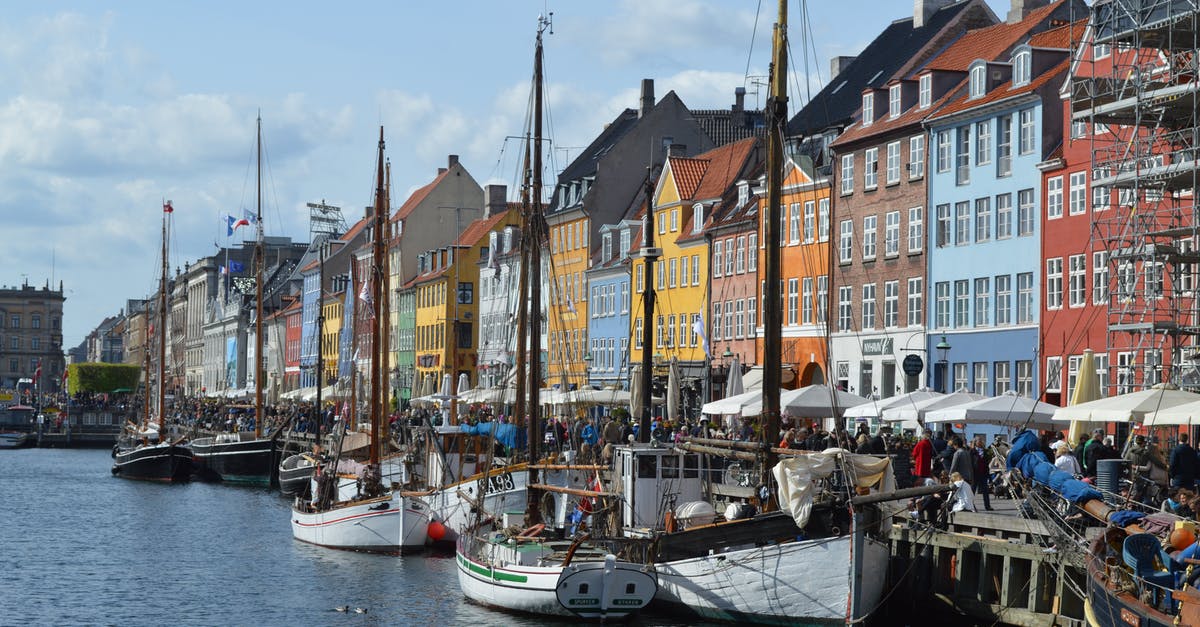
(1027, 455)
(507, 433)
(1125, 518)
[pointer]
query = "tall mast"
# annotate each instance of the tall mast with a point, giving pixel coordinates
(376, 278)
(259, 371)
(162, 326)
(521, 348)
(649, 254)
(320, 331)
(533, 512)
(772, 316)
(385, 298)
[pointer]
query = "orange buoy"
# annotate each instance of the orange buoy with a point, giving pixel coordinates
(436, 530)
(1182, 538)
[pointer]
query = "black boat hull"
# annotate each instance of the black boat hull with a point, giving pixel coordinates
(295, 481)
(249, 462)
(167, 463)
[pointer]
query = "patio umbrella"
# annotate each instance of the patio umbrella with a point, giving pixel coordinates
(1132, 407)
(635, 392)
(673, 391)
(918, 410)
(464, 386)
(1087, 388)
(733, 384)
(445, 391)
(1008, 409)
(874, 409)
(732, 404)
(811, 401)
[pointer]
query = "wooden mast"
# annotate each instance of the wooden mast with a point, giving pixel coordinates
(521, 349)
(648, 253)
(376, 277)
(385, 298)
(533, 514)
(259, 370)
(162, 327)
(320, 331)
(776, 110)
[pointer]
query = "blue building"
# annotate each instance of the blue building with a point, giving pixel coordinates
(608, 325)
(984, 260)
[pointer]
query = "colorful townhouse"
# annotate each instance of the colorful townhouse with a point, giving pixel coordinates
(985, 191)
(499, 274)
(733, 291)
(609, 327)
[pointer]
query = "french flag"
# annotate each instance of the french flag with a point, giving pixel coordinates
(232, 223)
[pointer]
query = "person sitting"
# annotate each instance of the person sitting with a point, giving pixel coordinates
(962, 499)
(1064, 459)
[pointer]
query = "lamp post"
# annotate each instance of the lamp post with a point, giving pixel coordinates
(943, 349)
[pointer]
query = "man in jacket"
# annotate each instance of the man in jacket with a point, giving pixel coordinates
(1183, 464)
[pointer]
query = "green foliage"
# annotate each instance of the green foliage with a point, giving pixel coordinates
(101, 378)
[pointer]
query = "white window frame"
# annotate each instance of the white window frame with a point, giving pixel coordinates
(983, 219)
(868, 108)
(847, 172)
(916, 229)
(823, 220)
(870, 223)
(916, 302)
(845, 308)
(891, 304)
(893, 163)
(1078, 193)
(942, 316)
(1054, 283)
(978, 80)
(1100, 277)
(891, 234)
(1004, 216)
(916, 157)
(1026, 212)
(983, 302)
(983, 142)
(871, 168)
(1028, 135)
(846, 242)
(894, 101)
(944, 151)
(925, 91)
(867, 312)
(1054, 197)
(810, 221)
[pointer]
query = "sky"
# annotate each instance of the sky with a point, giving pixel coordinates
(107, 109)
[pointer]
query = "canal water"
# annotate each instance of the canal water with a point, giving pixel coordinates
(82, 547)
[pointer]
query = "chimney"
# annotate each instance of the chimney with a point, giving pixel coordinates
(677, 150)
(452, 161)
(647, 102)
(1020, 9)
(837, 64)
(924, 9)
(495, 200)
(738, 119)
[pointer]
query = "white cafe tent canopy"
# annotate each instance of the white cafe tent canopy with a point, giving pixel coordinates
(874, 409)
(733, 405)
(1132, 407)
(919, 409)
(1008, 409)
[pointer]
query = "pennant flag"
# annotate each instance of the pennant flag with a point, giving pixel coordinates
(167, 208)
(232, 223)
(368, 303)
(698, 329)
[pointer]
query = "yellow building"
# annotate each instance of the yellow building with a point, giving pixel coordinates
(565, 277)
(688, 191)
(332, 307)
(447, 304)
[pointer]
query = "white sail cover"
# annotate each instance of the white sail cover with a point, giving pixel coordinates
(797, 476)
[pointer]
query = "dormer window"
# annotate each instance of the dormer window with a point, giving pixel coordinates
(1022, 66)
(625, 242)
(606, 247)
(698, 216)
(978, 80)
(894, 101)
(868, 109)
(743, 193)
(925, 91)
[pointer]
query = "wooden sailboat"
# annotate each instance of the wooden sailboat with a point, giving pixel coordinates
(378, 518)
(296, 471)
(243, 457)
(145, 451)
(525, 570)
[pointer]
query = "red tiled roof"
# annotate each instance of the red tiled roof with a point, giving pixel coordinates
(1002, 92)
(688, 172)
(989, 42)
(1060, 38)
(418, 197)
(478, 228)
(725, 165)
(913, 116)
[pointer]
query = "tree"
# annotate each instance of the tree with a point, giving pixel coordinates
(102, 378)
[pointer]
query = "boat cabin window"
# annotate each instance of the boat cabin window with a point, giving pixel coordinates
(583, 588)
(691, 466)
(630, 588)
(648, 467)
(670, 467)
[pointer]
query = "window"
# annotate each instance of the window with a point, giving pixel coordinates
(916, 297)
(1004, 216)
(674, 274)
(1025, 378)
(1053, 374)
(1154, 279)
(1054, 197)
(1102, 373)
(916, 229)
(718, 256)
(1101, 195)
(1078, 198)
(751, 317)
(659, 333)
(36, 321)
(683, 270)
(983, 302)
(1077, 280)
(1004, 297)
(810, 222)
(729, 256)
(717, 319)
(822, 297)
(846, 241)
(662, 224)
(893, 163)
(943, 226)
(891, 304)
(1054, 283)
(943, 151)
(981, 377)
(806, 301)
(823, 220)
(847, 174)
(674, 220)
(962, 159)
(1101, 51)
(639, 286)
(962, 226)
(868, 240)
(925, 90)
(751, 262)
(1021, 68)
(660, 270)
(894, 101)
(741, 256)
(891, 234)
(870, 168)
(1099, 278)
(1073, 362)
(868, 109)
(983, 142)
(16, 321)
(962, 304)
(794, 224)
(739, 313)
(1027, 131)
(916, 157)
(793, 295)
(1025, 212)
(942, 305)
(960, 376)
(868, 306)
(1003, 377)
(697, 217)
(978, 85)
(983, 219)
(845, 294)
(1004, 146)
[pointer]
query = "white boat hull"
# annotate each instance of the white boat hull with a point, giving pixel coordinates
(390, 524)
(506, 493)
(808, 582)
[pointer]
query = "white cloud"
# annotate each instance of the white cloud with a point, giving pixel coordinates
(651, 30)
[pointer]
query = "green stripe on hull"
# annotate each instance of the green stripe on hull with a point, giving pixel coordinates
(252, 480)
(497, 575)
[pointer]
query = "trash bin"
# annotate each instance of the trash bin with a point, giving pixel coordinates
(1108, 478)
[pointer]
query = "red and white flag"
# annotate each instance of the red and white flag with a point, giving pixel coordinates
(167, 208)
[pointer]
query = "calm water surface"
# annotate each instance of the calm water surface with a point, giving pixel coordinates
(83, 547)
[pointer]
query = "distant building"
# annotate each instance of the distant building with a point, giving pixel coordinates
(31, 335)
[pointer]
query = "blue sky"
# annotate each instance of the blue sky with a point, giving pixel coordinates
(106, 109)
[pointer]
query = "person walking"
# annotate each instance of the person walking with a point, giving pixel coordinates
(1182, 466)
(961, 461)
(922, 458)
(982, 483)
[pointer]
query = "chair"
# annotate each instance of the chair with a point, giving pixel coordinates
(1150, 563)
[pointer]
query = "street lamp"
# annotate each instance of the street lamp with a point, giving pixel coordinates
(943, 348)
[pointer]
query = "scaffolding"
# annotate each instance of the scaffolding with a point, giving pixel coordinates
(1135, 89)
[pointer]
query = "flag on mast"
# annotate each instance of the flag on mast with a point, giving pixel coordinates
(167, 208)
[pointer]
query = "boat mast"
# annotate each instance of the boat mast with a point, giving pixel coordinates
(320, 331)
(521, 348)
(385, 272)
(772, 316)
(162, 327)
(259, 370)
(649, 254)
(376, 278)
(533, 514)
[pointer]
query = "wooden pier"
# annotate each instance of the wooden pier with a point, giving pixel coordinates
(990, 566)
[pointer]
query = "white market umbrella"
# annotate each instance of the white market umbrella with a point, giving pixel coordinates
(1132, 407)
(445, 392)
(1008, 409)
(733, 384)
(673, 391)
(732, 404)
(918, 410)
(635, 392)
(1185, 414)
(464, 384)
(810, 401)
(874, 409)
(600, 397)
